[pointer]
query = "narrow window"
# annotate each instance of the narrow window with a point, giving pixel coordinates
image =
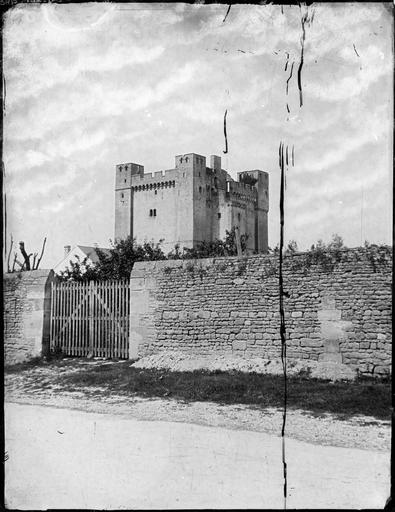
(150, 213)
(200, 189)
(122, 195)
(124, 180)
(156, 192)
(154, 212)
(219, 215)
(239, 216)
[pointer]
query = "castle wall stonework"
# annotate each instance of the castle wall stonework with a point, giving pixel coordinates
(190, 204)
(27, 304)
(231, 305)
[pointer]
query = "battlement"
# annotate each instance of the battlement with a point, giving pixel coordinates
(154, 177)
(241, 192)
(260, 181)
(195, 201)
(124, 174)
(260, 176)
(238, 187)
(131, 167)
(190, 160)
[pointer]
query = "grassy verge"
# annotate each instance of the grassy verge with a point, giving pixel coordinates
(344, 399)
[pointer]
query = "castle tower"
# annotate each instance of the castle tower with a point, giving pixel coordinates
(190, 203)
(124, 199)
(261, 209)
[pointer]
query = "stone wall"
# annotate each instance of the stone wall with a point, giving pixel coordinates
(231, 305)
(27, 303)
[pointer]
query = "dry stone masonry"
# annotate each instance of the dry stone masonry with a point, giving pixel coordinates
(230, 305)
(336, 313)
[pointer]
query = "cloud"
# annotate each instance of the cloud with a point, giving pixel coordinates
(90, 86)
(47, 71)
(88, 100)
(371, 69)
(364, 131)
(42, 184)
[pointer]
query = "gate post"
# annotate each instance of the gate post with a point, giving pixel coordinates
(27, 314)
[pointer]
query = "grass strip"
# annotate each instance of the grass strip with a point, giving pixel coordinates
(344, 399)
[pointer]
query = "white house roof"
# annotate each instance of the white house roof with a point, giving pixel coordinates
(82, 252)
(91, 252)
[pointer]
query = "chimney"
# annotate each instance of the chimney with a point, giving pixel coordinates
(67, 249)
(215, 162)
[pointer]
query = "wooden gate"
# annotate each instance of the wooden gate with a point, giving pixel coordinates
(91, 318)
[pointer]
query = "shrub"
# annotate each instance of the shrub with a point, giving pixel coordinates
(116, 265)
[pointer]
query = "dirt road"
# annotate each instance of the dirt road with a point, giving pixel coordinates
(60, 458)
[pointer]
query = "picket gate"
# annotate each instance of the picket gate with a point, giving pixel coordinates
(90, 318)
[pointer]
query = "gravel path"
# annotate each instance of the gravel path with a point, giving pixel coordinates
(33, 386)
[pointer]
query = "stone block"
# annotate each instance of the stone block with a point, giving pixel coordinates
(382, 370)
(329, 314)
(331, 346)
(242, 336)
(334, 357)
(307, 342)
(204, 314)
(239, 345)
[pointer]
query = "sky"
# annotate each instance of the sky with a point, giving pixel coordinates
(89, 86)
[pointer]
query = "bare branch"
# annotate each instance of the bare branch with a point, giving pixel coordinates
(9, 255)
(42, 252)
(19, 263)
(24, 254)
(13, 264)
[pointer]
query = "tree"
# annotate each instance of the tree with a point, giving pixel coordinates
(336, 243)
(27, 263)
(123, 254)
(292, 247)
(116, 265)
(79, 271)
(119, 263)
(226, 247)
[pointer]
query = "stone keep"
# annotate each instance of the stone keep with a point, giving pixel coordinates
(190, 204)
